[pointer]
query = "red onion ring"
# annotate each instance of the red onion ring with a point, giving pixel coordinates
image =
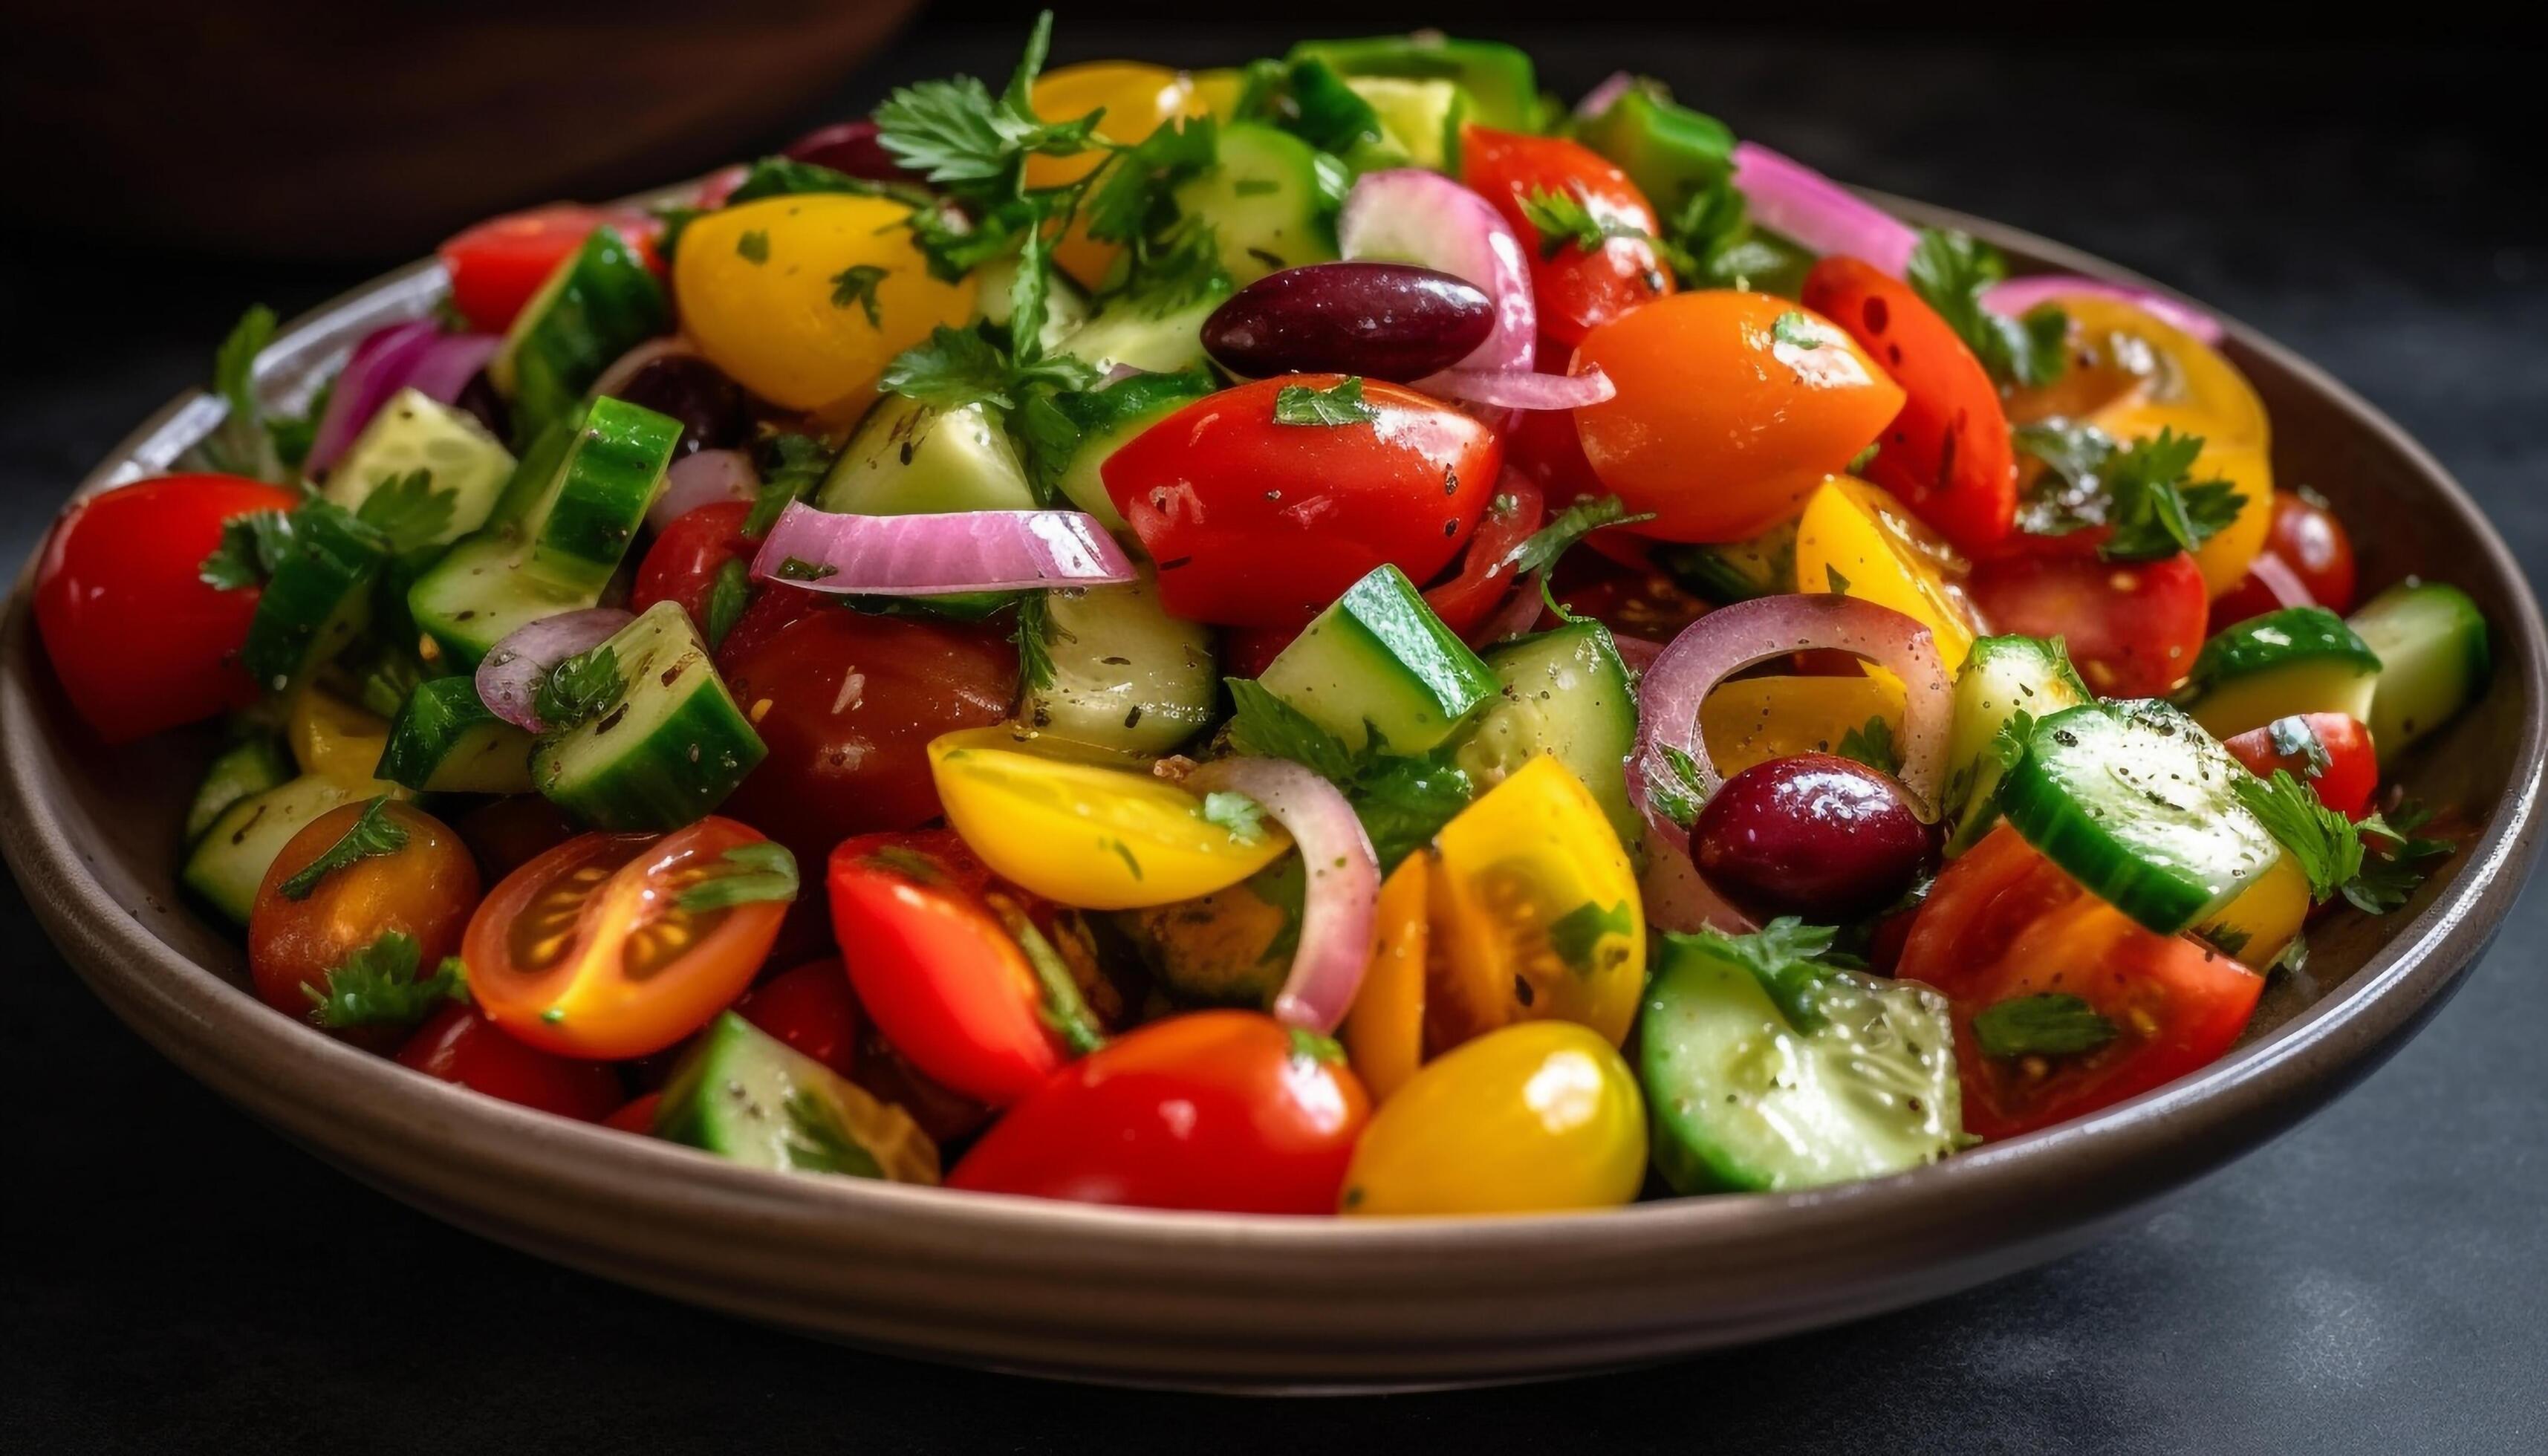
(1732, 638)
(414, 355)
(1340, 906)
(1516, 616)
(509, 679)
(702, 478)
(1679, 898)
(624, 368)
(1410, 215)
(1523, 389)
(1796, 202)
(932, 555)
(2016, 296)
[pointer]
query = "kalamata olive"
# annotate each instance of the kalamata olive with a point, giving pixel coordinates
(479, 397)
(850, 147)
(713, 413)
(1382, 320)
(1816, 835)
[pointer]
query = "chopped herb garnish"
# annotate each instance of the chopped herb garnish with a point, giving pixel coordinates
(408, 511)
(1565, 219)
(1871, 745)
(1034, 636)
(373, 832)
(1834, 581)
(1794, 329)
(1064, 1010)
(2055, 1023)
(1403, 801)
(2396, 860)
(857, 285)
(578, 689)
(1539, 552)
(754, 246)
(1951, 271)
(746, 875)
(250, 547)
(798, 569)
(2144, 492)
(1310, 1045)
(1339, 404)
(951, 369)
(728, 596)
(791, 466)
(1580, 932)
(378, 986)
(1677, 792)
(1789, 959)
(1243, 816)
(2375, 865)
(1265, 725)
(820, 1142)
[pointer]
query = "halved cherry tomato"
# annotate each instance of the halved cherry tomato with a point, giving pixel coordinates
(1576, 290)
(683, 564)
(1730, 407)
(2002, 922)
(1486, 568)
(1219, 1110)
(2350, 772)
(938, 974)
(138, 639)
(588, 950)
(1257, 524)
(1632, 598)
(1384, 1033)
(811, 1008)
(2134, 628)
(2306, 548)
(1947, 454)
(496, 265)
(459, 1045)
(424, 890)
(637, 1114)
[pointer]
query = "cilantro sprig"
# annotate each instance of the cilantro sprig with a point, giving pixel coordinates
(250, 548)
(1564, 219)
(1339, 403)
(2144, 492)
(1541, 549)
(1789, 959)
(378, 986)
(1950, 271)
(578, 687)
(1871, 745)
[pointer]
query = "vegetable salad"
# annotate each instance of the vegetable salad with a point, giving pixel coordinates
(1330, 637)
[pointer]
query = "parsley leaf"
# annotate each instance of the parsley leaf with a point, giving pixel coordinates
(2323, 843)
(974, 144)
(1034, 635)
(240, 444)
(754, 246)
(372, 833)
(377, 986)
(251, 546)
(1796, 331)
(1404, 802)
(1950, 271)
(2396, 862)
(747, 874)
(728, 596)
(819, 1140)
(1339, 403)
(791, 465)
(578, 689)
(408, 511)
(1677, 794)
(1871, 745)
(1265, 725)
(1243, 816)
(857, 285)
(1710, 241)
(1138, 198)
(1541, 549)
(951, 369)
(1564, 218)
(2142, 492)
(2294, 738)
(2055, 1023)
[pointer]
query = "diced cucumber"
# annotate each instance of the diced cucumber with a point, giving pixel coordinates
(1735, 571)
(1103, 421)
(1231, 948)
(2136, 802)
(670, 745)
(558, 535)
(1824, 1078)
(1268, 203)
(2002, 679)
(1565, 692)
(1065, 307)
(744, 1095)
(1124, 674)
(229, 863)
(2298, 660)
(1379, 662)
(1421, 119)
(600, 303)
(2434, 660)
(914, 459)
(320, 598)
(1667, 149)
(1503, 89)
(415, 431)
(1130, 333)
(444, 740)
(252, 765)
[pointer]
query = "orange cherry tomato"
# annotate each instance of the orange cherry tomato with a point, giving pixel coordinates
(1578, 290)
(424, 890)
(587, 951)
(1731, 408)
(460, 1044)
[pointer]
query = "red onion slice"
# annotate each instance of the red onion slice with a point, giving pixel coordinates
(509, 679)
(616, 377)
(1518, 613)
(1338, 909)
(1794, 201)
(1679, 898)
(1604, 96)
(2016, 296)
(702, 478)
(1732, 638)
(413, 355)
(1410, 215)
(934, 555)
(2276, 575)
(1523, 389)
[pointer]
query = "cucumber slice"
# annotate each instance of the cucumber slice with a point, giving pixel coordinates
(667, 748)
(744, 1095)
(1124, 674)
(1267, 200)
(251, 765)
(1157, 341)
(2001, 678)
(2134, 801)
(1564, 693)
(2298, 660)
(229, 863)
(1231, 948)
(559, 535)
(1106, 420)
(1379, 663)
(415, 431)
(2434, 660)
(445, 741)
(1735, 571)
(320, 596)
(600, 303)
(914, 459)
(1502, 88)
(1838, 1076)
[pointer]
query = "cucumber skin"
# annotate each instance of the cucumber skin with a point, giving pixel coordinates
(614, 471)
(249, 767)
(2278, 639)
(2422, 683)
(601, 303)
(321, 597)
(686, 762)
(2056, 685)
(430, 743)
(1384, 617)
(709, 1099)
(1501, 84)
(228, 866)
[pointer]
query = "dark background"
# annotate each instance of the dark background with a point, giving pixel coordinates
(180, 1279)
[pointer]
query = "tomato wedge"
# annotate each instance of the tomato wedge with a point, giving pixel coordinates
(2134, 628)
(498, 265)
(1486, 570)
(588, 950)
(2330, 752)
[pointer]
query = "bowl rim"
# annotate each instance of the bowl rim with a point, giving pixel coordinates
(2412, 966)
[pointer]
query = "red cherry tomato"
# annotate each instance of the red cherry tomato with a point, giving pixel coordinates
(2307, 549)
(811, 1008)
(458, 1045)
(848, 703)
(683, 564)
(2342, 767)
(1616, 585)
(500, 263)
(1220, 1109)
(139, 641)
(1544, 445)
(1257, 524)
(1577, 289)
(1246, 652)
(637, 1114)
(936, 970)
(1487, 569)
(1947, 455)
(2002, 922)
(2134, 628)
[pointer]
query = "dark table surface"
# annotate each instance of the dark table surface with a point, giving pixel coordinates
(183, 1280)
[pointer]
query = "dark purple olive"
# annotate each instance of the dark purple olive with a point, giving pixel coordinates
(1382, 320)
(713, 413)
(478, 396)
(850, 147)
(1816, 835)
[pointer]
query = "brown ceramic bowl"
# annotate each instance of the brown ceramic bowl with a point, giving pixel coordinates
(1265, 1302)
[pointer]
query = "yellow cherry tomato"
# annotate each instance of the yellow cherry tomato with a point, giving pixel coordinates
(1383, 1034)
(1535, 913)
(1856, 538)
(2166, 367)
(805, 300)
(1081, 830)
(335, 739)
(2256, 926)
(1532, 1119)
(2225, 556)
(1137, 99)
(1752, 720)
